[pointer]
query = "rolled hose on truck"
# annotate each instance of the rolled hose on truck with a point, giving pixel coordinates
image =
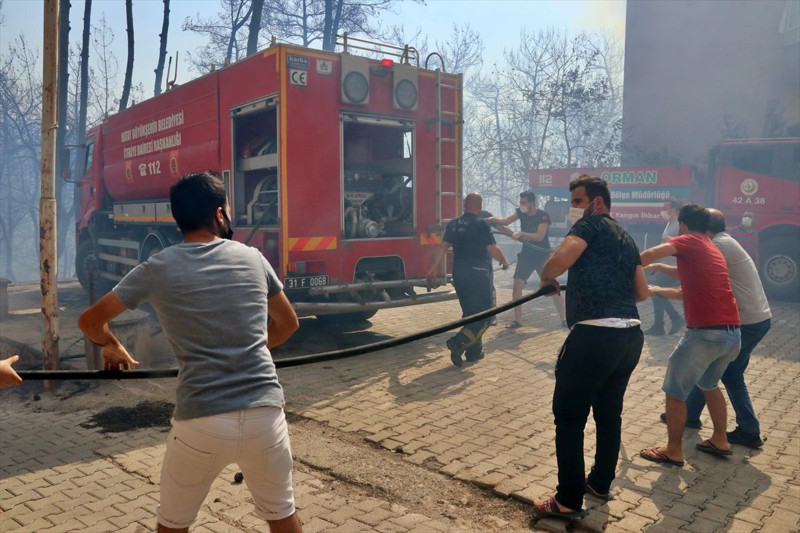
(28, 375)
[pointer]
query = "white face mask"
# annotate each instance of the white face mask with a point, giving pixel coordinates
(665, 215)
(747, 222)
(575, 214)
(523, 209)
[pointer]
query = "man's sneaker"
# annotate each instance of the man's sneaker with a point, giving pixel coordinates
(655, 331)
(456, 349)
(751, 440)
(676, 326)
(696, 424)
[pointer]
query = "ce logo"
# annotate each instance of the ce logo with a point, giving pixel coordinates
(298, 77)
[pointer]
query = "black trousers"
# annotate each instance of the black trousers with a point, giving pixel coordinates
(474, 290)
(592, 371)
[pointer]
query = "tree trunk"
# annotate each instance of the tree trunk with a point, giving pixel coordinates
(48, 262)
(126, 87)
(162, 51)
(255, 26)
(87, 26)
(63, 192)
(326, 29)
(63, 83)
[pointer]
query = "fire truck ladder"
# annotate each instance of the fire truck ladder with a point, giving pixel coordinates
(449, 112)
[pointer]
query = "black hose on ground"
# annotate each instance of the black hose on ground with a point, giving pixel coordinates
(28, 375)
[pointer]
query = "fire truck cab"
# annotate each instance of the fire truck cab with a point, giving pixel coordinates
(342, 170)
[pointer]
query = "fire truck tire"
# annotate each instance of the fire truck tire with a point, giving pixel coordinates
(83, 256)
(780, 268)
(346, 318)
(151, 250)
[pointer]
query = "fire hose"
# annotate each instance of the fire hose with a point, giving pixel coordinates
(27, 375)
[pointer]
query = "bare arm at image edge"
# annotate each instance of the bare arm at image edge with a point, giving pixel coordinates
(283, 320)
(8, 377)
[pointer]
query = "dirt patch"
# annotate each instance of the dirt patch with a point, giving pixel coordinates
(374, 471)
(144, 415)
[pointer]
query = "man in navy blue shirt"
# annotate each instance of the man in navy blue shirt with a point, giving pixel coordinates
(473, 249)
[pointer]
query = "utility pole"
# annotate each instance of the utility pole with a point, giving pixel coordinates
(48, 256)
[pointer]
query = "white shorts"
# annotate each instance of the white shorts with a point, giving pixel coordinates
(198, 449)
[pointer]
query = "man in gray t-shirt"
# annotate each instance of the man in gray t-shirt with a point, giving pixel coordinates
(222, 308)
(756, 318)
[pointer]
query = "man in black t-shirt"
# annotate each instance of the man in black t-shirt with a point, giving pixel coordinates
(534, 226)
(473, 249)
(594, 365)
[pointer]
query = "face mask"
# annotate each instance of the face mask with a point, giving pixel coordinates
(575, 214)
(665, 215)
(523, 209)
(747, 222)
(226, 233)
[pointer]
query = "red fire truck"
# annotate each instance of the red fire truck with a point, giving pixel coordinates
(758, 175)
(341, 169)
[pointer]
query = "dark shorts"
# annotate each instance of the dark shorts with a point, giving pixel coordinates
(526, 264)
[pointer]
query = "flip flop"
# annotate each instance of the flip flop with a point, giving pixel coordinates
(550, 507)
(708, 447)
(656, 456)
(514, 325)
(607, 497)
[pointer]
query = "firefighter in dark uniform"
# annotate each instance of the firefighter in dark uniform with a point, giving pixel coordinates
(473, 249)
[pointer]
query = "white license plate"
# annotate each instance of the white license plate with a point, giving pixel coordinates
(305, 282)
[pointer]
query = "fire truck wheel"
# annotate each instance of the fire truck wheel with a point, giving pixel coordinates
(83, 256)
(780, 258)
(151, 250)
(346, 318)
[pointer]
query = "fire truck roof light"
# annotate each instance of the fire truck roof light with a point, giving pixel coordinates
(387, 62)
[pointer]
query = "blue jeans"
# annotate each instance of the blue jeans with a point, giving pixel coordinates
(700, 359)
(733, 379)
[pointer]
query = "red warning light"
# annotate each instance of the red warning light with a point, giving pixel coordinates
(387, 62)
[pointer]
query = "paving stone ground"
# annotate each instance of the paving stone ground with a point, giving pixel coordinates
(489, 424)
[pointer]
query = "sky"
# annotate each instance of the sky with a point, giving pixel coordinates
(498, 22)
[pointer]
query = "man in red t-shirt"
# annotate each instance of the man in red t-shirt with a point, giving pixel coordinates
(712, 337)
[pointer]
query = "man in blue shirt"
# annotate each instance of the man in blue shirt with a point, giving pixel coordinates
(473, 249)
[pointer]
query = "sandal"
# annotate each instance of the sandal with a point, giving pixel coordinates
(607, 497)
(657, 456)
(514, 325)
(550, 507)
(708, 447)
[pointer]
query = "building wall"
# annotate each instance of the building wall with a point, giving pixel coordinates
(700, 71)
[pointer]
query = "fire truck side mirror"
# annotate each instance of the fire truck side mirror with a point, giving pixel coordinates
(355, 80)
(66, 163)
(405, 92)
